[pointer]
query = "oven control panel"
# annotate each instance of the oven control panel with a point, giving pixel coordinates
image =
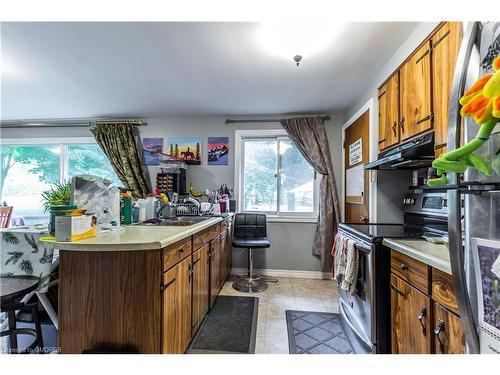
(426, 203)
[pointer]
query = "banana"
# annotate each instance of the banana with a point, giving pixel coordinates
(194, 192)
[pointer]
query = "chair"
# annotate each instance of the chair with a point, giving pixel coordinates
(12, 289)
(250, 232)
(5, 215)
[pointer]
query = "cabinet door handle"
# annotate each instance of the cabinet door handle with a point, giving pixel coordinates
(440, 328)
(440, 145)
(404, 267)
(190, 273)
(396, 289)
(165, 286)
(402, 125)
(420, 317)
(394, 126)
(426, 118)
(180, 250)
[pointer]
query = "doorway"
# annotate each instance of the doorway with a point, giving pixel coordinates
(356, 153)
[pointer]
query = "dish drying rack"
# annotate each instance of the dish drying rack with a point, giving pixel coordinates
(187, 209)
(191, 209)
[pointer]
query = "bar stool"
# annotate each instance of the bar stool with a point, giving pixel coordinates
(250, 232)
(12, 290)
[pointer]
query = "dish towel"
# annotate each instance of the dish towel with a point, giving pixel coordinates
(346, 263)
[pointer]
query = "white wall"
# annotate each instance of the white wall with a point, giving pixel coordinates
(291, 243)
(388, 183)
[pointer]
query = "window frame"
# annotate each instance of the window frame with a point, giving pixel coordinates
(273, 216)
(62, 142)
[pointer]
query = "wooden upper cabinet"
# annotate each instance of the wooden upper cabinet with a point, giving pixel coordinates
(448, 332)
(411, 324)
(445, 46)
(176, 301)
(388, 124)
(415, 93)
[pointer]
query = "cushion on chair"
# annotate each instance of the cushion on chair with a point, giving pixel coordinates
(250, 231)
(254, 243)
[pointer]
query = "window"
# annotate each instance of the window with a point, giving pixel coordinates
(273, 177)
(29, 167)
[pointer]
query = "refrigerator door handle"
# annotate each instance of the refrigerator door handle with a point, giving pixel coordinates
(458, 89)
(458, 270)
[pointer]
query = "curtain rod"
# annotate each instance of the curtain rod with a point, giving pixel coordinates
(63, 123)
(247, 121)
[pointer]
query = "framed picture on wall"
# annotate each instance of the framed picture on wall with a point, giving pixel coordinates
(187, 149)
(151, 149)
(218, 150)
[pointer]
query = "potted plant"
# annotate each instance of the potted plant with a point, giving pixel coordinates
(55, 200)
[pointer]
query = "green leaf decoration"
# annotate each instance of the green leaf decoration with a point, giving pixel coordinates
(10, 237)
(14, 257)
(32, 242)
(26, 267)
(46, 258)
(44, 280)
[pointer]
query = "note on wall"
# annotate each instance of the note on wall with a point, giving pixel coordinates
(356, 152)
(355, 185)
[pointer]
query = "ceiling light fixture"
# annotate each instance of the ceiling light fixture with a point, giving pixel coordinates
(298, 40)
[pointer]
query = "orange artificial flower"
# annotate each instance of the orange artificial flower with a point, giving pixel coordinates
(482, 100)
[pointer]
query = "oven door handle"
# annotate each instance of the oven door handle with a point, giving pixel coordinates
(363, 247)
(362, 337)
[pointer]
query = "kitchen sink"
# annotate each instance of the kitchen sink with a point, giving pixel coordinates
(179, 221)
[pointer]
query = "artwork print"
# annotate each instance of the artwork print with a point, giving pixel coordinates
(187, 149)
(218, 150)
(151, 149)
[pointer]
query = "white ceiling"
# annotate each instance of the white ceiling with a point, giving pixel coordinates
(85, 70)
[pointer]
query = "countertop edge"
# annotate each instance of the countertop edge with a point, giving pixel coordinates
(154, 245)
(414, 253)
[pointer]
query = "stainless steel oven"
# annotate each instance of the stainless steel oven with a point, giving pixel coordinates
(365, 314)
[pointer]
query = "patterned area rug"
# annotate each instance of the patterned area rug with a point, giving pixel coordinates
(316, 333)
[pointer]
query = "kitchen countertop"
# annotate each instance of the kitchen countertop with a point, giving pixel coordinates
(135, 237)
(434, 255)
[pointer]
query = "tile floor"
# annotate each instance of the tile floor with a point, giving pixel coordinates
(288, 294)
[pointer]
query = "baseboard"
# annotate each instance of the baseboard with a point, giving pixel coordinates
(286, 273)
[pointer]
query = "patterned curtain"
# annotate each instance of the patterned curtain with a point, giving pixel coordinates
(117, 141)
(309, 135)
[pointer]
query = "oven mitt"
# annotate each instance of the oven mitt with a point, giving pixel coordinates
(482, 103)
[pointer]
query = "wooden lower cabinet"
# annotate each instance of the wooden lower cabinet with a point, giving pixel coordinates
(410, 310)
(447, 332)
(176, 305)
(228, 246)
(223, 258)
(214, 269)
(200, 286)
(424, 319)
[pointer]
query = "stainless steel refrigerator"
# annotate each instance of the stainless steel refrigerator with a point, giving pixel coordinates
(474, 202)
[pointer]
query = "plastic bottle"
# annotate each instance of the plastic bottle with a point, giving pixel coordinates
(126, 208)
(141, 203)
(150, 207)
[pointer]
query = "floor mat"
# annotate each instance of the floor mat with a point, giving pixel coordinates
(316, 333)
(229, 327)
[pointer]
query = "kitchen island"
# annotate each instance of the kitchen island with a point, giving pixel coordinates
(143, 289)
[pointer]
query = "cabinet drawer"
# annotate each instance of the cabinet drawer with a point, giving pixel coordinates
(443, 290)
(173, 254)
(410, 270)
(205, 236)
